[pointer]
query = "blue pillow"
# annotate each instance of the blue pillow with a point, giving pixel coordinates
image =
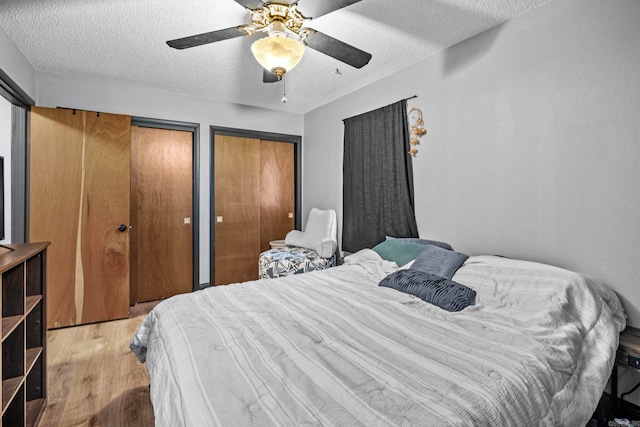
(446, 294)
(398, 251)
(422, 241)
(439, 262)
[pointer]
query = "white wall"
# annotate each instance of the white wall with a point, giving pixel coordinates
(5, 151)
(57, 91)
(532, 148)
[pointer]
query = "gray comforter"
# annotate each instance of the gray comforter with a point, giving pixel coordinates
(332, 348)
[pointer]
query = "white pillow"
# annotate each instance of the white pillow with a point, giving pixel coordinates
(320, 234)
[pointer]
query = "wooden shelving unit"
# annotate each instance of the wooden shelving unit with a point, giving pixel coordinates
(24, 334)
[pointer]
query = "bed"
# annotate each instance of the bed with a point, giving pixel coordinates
(333, 348)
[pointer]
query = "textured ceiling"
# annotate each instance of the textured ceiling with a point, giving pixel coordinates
(124, 41)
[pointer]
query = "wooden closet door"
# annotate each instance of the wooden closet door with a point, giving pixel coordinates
(162, 233)
(79, 195)
(237, 209)
(55, 166)
(104, 248)
(277, 197)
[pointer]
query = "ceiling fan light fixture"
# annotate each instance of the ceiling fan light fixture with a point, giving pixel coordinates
(277, 54)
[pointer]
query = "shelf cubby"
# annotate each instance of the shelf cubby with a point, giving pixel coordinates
(9, 389)
(35, 275)
(9, 324)
(13, 410)
(13, 353)
(35, 387)
(13, 291)
(35, 324)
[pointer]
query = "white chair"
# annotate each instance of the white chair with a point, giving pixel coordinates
(321, 234)
(309, 250)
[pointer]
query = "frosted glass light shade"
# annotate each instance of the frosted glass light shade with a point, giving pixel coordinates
(277, 54)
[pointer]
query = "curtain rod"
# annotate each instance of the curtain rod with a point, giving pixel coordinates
(403, 99)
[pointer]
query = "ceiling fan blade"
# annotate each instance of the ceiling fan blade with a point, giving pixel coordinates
(322, 7)
(268, 76)
(250, 4)
(336, 49)
(206, 38)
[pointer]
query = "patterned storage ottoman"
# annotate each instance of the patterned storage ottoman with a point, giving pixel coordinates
(288, 260)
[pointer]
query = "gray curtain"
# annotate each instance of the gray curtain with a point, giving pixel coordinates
(377, 178)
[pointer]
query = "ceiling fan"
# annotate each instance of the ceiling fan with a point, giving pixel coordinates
(287, 36)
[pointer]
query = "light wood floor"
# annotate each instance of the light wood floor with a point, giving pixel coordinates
(93, 378)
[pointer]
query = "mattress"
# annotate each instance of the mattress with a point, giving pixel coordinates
(332, 348)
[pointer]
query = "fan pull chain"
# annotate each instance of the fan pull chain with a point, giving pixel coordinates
(284, 91)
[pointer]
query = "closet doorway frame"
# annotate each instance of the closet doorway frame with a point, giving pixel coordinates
(194, 128)
(21, 104)
(296, 140)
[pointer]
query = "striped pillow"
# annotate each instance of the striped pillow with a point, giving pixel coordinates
(444, 293)
(439, 262)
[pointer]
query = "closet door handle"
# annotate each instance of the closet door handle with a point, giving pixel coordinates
(122, 228)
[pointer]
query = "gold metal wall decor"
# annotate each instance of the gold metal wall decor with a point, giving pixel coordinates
(416, 130)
